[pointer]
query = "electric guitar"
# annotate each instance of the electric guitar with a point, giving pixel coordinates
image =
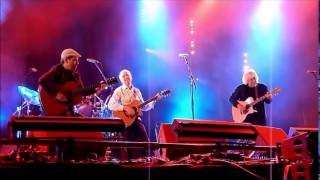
(72, 90)
(240, 116)
(137, 105)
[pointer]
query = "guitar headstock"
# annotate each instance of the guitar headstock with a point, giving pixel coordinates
(164, 93)
(111, 81)
(275, 91)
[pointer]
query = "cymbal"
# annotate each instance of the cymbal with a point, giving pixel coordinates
(29, 95)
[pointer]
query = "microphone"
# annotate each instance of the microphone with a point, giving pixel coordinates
(33, 69)
(183, 55)
(312, 71)
(92, 60)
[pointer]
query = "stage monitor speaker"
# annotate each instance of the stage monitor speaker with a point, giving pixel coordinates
(293, 131)
(211, 131)
(301, 151)
(269, 136)
(64, 126)
(188, 130)
(295, 148)
(312, 136)
(298, 171)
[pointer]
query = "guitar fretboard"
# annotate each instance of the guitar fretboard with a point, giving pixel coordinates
(258, 100)
(147, 101)
(109, 82)
(80, 90)
(274, 91)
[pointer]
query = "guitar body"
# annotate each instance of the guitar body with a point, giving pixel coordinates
(54, 107)
(238, 115)
(127, 118)
(72, 91)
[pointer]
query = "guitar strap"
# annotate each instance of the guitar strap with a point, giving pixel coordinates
(76, 77)
(137, 95)
(134, 94)
(122, 94)
(256, 92)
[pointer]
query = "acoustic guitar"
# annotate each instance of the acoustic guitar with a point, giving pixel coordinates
(72, 90)
(240, 116)
(137, 105)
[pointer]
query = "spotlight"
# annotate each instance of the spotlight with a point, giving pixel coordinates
(148, 50)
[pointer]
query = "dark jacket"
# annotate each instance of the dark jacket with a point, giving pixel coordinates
(242, 92)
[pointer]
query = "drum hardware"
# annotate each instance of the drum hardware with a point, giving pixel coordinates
(113, 136)
(24, 105)
(99, 107)
(85, 107)
(92, 106)
(30, 97)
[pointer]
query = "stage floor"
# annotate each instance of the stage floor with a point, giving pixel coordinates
(168, 170)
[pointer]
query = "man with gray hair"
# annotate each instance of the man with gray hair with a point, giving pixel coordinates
(120, 101)
(251, 88)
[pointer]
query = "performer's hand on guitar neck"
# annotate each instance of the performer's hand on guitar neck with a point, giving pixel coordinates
(158, 97)
(61, 97)
(268, 95)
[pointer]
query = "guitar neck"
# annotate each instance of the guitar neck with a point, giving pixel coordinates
(80, 90)
(147, 101)
(258, 100)
(273, 92)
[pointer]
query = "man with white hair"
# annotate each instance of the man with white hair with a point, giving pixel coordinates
(120, 100)
(251, 88)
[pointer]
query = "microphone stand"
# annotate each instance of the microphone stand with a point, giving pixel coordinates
(103, 76)
(192, 84)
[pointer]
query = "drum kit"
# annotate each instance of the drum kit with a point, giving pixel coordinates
(93, 106)
(90, 106)
(30, 97)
